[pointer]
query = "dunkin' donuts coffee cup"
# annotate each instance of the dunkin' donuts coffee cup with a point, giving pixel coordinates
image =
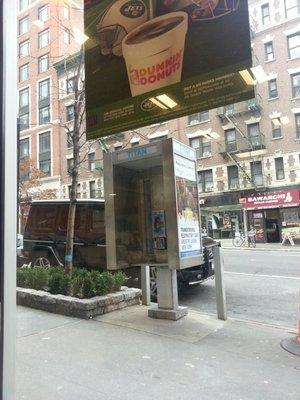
(154, 52)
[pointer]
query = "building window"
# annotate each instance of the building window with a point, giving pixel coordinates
(67, 36)
(70, 165)
(24, 49)
(70, 113)
(205, 180)
(229, 109)
(198, 117)
(23, 25)
(256, 173)
(254, 135)
(45, 153)
(279, 167)
(92, 189)
(294, 45)
(233, 177)
(265, 13)
(276, 129)
(24, 155)
(44, 115)
(230, 140)
(78, 194)
(24, 98)
(44, 38)
(292, 8)
(70, 85)
(44, 89)
(70, 140)
(91, 159)
(43, 63)
(43, 13)
(23, 4)
(272, 86)
(23, 72)
(24, 148)
(269, 51)
(297, 122)
(296, 85)
(202, 145)
(24, 121)
(66, 11)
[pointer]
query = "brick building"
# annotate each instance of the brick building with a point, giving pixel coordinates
(242, 149)
(45, 35)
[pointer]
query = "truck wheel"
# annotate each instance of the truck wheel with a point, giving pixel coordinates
(41, 261)
(153, 283)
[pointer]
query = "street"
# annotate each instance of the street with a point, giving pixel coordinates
(260, 286)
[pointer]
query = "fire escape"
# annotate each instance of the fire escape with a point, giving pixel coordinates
(246, 144)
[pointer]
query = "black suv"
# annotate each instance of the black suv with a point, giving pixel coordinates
(45, 239)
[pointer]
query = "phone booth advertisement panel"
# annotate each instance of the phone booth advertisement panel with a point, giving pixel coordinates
(152, 207)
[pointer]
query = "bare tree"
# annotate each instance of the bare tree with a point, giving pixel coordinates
(30, 188)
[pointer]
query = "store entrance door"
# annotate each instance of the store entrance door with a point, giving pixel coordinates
(273, 226)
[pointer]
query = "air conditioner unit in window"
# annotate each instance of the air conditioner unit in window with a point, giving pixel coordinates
(207, 154)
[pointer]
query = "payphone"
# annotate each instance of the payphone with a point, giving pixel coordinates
(152, 215)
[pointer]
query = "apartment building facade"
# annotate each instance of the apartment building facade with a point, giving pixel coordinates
(45, 35)
(242, 149)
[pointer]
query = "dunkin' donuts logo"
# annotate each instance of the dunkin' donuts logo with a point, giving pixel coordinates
(157, 72)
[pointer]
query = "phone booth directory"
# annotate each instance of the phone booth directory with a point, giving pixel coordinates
(152, 215)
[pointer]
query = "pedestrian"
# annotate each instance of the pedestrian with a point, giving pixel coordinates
(251, 236)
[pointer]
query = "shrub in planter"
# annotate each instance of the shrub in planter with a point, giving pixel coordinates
(103, 283)
(119, 278)
(88, 287)
(76, 286)
(22, 277)
(36, 278)
(59, 283)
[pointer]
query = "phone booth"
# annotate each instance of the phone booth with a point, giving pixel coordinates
(152, 215)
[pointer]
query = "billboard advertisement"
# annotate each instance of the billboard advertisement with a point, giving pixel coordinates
(187, 207)
(149, 61)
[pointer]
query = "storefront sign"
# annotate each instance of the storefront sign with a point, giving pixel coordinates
(282, 198)
(187, 207)
(149, 61)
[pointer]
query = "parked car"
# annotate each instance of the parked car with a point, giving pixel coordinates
(45, 240)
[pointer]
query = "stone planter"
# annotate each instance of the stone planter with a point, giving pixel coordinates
(80, 308)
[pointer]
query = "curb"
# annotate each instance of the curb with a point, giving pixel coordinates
(260, 249)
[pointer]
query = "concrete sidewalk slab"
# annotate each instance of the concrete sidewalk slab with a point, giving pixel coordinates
(191, 328)
(106, 360)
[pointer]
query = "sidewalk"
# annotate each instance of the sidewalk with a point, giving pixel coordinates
(227, 244)
(127, 356)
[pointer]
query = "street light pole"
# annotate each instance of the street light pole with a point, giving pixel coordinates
(8, 195)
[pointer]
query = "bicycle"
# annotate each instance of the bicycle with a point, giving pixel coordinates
(240, 240)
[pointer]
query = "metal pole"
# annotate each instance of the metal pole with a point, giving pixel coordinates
(145, 284)
(220, 285)
(8, 195)
(245, 222)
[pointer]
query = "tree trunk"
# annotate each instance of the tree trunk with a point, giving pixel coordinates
(70, 238)
(78, 110)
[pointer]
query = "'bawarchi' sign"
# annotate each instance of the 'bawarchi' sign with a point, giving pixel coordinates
(150, 61)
